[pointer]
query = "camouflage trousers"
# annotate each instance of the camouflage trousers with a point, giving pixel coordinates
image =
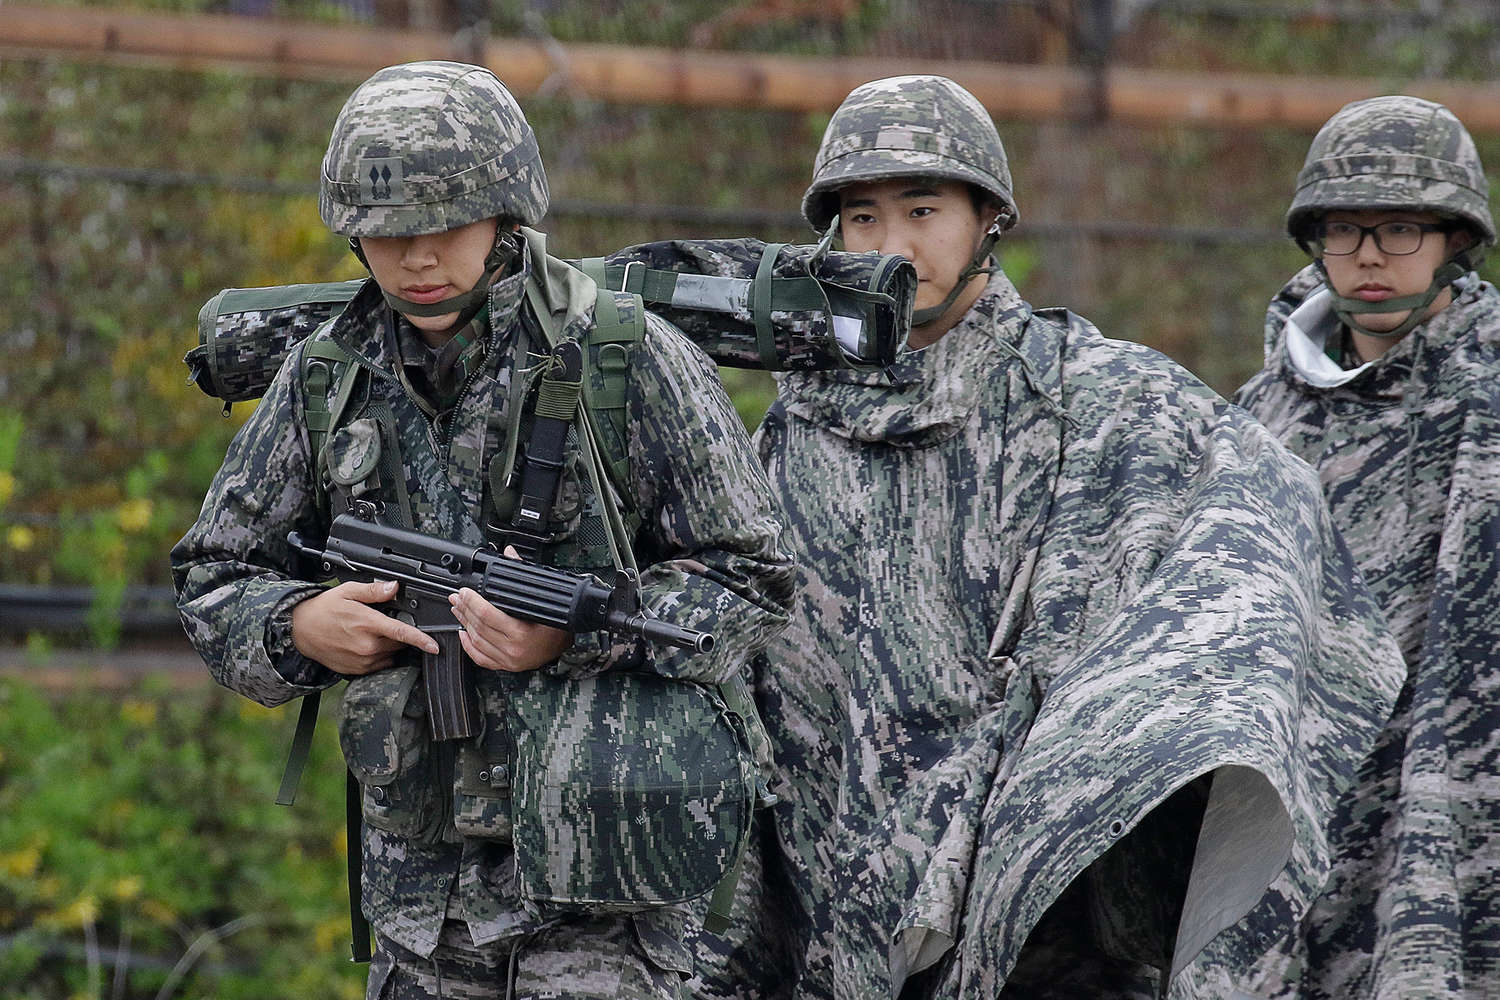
(595, 958)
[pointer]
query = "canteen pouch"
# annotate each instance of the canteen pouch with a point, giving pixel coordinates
(630, 789)
(482, 788)
(383, 733)
(244, 334)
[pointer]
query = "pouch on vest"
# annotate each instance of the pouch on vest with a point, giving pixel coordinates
(745, 303)
(384, 735)
(631, 790)
(482, 784)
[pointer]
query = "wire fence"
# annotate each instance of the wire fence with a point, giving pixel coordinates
(685, 215)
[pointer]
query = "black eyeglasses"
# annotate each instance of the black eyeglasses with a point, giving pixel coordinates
(1395, 238)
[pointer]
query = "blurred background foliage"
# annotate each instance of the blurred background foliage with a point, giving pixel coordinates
(142, 824)
(141, 854)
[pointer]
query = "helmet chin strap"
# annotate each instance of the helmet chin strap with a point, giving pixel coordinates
(1348, 308)
(466, 304)
(982, 263)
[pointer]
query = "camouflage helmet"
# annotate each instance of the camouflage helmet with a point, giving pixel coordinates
(1397, 153)
(903, 126)
(426, 147)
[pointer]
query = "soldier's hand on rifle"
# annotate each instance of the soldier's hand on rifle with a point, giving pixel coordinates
(340, 630)
(496, 641)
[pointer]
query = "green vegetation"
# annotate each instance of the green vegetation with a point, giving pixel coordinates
(144, 824)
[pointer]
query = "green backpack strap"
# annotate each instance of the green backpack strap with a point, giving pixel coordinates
(619, 325)
(322, 361)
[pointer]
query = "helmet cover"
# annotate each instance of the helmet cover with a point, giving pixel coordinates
(426, 147)
(1392, 153)
(905, 126)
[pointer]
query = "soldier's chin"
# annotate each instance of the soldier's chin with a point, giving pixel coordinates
(433, 324)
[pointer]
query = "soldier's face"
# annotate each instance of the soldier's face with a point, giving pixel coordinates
(1373, 275)
(934, 224)
(431, 267)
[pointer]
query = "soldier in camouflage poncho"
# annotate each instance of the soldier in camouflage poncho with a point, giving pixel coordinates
(1077, 666)
(1383, 372)
(432, 171)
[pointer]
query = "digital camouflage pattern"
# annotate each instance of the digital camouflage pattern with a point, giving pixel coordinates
(828, 308)
(437, 832)
(661, 807)
(427, 147)
(819, 301)
(1392, 152)
(244, 334)
(903, 126)
(1408, 451)
(1048, 583)
(599, 957)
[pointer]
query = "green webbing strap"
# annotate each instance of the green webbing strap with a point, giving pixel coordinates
(615, 534)
(588, 431)
(760, 302)
(359, 927)
(319, 414)
(557, 399)
(636, 278)
(711, 292)
(296, 758)
(720, 915)
(594, 268)
(319, 417)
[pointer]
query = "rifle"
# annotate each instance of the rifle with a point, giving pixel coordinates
(428, 569)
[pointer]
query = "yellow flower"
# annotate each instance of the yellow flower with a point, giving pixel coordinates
(138, 713)
(20, 537)
(22, 863)
(83, 910)
(135, 515)
(127, 888)
(7, 487)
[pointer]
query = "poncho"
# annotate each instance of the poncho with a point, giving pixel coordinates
(1066, 618)
(1408, 451)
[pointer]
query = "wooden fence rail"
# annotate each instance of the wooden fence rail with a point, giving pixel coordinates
(706, 78)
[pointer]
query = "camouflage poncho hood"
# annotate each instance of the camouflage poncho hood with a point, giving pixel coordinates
(1409, 451)
(924, 397)
(1048, 583)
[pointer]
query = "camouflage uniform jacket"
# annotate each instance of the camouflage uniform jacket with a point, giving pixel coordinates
(1408, 450)
(709, 551)
(1046, 581)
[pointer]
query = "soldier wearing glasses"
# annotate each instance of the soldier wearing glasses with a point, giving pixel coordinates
(1383, 372)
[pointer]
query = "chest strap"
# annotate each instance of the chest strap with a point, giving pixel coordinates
(556, 404)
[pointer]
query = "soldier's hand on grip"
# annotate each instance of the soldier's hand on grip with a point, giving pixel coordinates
(339, 629)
